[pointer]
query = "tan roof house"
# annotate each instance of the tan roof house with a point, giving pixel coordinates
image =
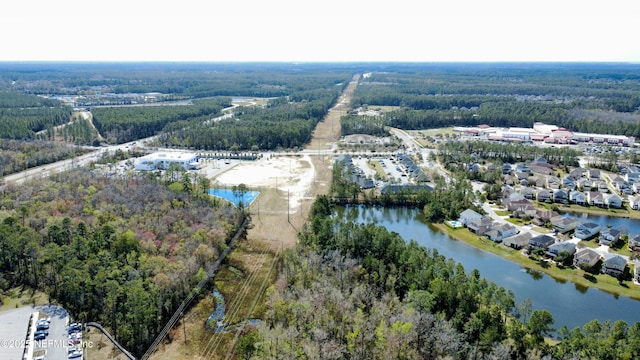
(586, 257)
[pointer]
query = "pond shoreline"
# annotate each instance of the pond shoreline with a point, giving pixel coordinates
(576, 276)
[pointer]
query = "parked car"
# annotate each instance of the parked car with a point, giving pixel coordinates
(75, 327)
(42, 326)
(43, 331)
(39, 336)
(74, 354)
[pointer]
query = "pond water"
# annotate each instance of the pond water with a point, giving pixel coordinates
(620, 223)
(570, 304)
(227, 194)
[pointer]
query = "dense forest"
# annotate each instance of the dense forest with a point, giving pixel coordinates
(358, 291)
(124, 252)
(123, 124)
(22, 116)
(599, 98)
(18, 155)
(285, 123)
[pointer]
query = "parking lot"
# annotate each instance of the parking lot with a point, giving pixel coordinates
(14, 327)
(56, 343)
(394, 172)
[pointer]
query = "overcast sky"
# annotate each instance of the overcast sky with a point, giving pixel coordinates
(321, 30)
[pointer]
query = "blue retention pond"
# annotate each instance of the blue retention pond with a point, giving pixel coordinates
(227, 194)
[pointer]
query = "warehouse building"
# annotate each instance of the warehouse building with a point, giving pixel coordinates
(162, 161)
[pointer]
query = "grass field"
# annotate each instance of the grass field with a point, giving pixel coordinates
(22, 296)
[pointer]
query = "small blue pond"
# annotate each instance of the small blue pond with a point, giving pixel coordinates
(227, 194)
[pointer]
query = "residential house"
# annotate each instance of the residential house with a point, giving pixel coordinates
(560, 196)
(593, 174)
(634, 242)
(542, 170)
(508, 179)
(632, 175)
(354, 174)
(586, 258)
(521, 175)
(609, 236)
(507, 191)
(576, 173)
(621, 185)
(512, 205)
(595, 198)
(541, 242)
(518, 241)
(513, 197)
(614, 265)
(500, 231)
(555, 249)
(480, 226)
(525, 211)
(523, 168)
(577, 197)
(543, 195)
(467, 216)
(613, 200)
(568, 183)
(506, 168)
(564, 224)
(543, 216)
(584, 184)
(601, 185)
(553, 182)
(587, 230)
(540, 181)
(636, 187)
(540, 162)
(528, 193)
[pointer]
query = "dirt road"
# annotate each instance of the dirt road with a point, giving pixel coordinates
(271, 222)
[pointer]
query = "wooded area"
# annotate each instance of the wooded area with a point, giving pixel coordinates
(358, 291)
(596, 98)
(124, 252)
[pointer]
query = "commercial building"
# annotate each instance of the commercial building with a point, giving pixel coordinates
(162, 161)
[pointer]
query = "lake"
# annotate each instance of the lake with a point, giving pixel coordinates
(570, 304)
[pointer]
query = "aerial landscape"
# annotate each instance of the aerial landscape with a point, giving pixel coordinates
(450, 182)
